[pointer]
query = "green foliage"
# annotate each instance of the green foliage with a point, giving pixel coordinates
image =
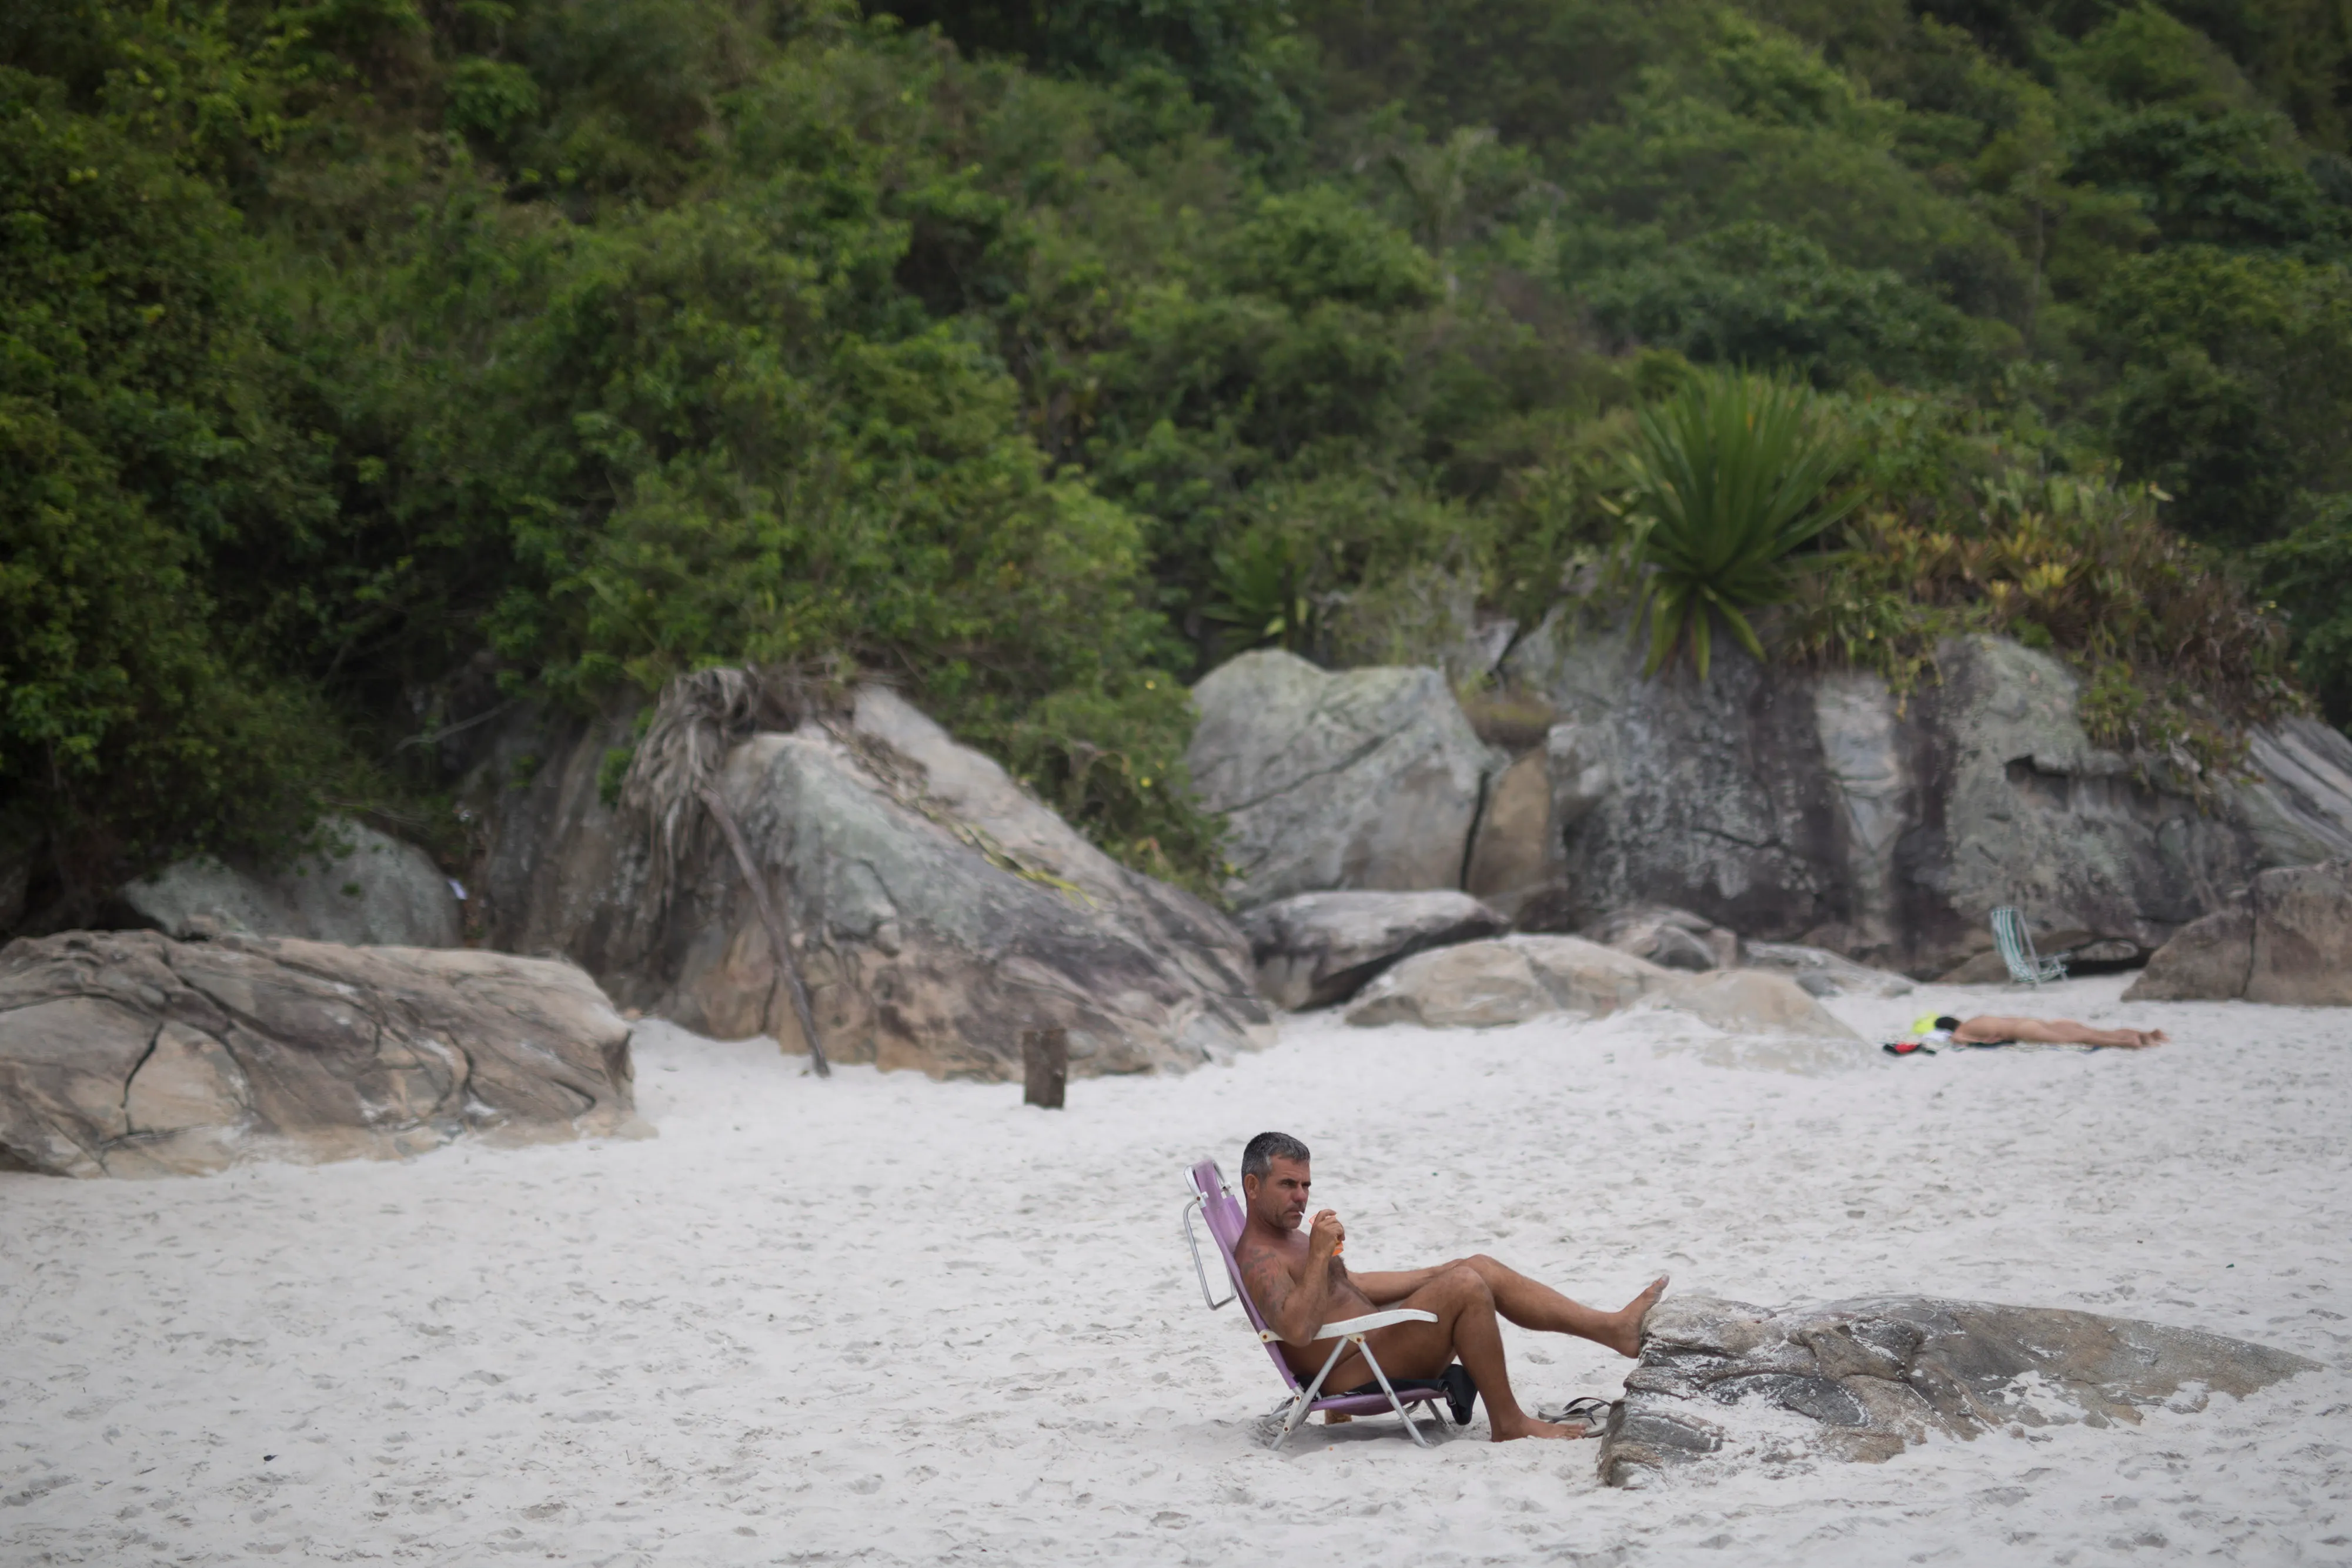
(360, 357)
(1756, 294)
(1110, 759)
(1731, 475)
(2235, 390)
(131, 715)
(2309, 571)
(1230, 54)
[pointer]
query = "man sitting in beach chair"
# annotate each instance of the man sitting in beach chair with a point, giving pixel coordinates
(1298, 1283)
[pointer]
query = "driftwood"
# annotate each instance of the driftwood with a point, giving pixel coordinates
(779, 939)
(675, 771)
(1046, 1066)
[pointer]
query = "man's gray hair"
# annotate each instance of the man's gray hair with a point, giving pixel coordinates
(1257, 1160)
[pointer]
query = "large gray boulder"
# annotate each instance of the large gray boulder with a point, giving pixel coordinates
(1321, 947)
(941, 910)
(1796, 807)
(2285, 939)
(1719, 1379)
(129, 1053)
(363, 888)
(1354, 778)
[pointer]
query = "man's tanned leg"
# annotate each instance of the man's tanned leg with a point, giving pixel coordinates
(1467, 1327)
(1534, 1305)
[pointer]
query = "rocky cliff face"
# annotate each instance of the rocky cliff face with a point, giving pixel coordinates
(1791, 805)
(939, 910)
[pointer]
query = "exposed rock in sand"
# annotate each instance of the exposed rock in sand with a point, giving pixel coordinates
(941, 909)
(1866, 1378)
(1321, 947)
(364, 889)
(2286, 939)
(128, 1053)
(1509, 980)
(1823, 973)
(1356, 779)
(1756, 1001)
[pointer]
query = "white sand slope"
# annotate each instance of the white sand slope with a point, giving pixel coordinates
(891, 1321)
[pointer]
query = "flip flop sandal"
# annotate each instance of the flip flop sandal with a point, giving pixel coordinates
(1587, 1411)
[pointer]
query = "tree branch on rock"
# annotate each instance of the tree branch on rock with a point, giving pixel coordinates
(673, 780)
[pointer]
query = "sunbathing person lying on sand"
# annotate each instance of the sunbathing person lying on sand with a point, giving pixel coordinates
(1992, 1030)
(1299, 1284)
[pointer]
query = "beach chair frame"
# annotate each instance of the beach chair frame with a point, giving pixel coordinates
(1221, 1214)
(2016, 943)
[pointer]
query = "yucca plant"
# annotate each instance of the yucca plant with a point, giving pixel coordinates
(1731, 476)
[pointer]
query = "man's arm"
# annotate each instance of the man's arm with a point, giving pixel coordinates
(1295, 1306)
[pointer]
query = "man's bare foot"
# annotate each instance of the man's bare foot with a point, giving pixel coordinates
(1528, 1426)
(1624, 1334)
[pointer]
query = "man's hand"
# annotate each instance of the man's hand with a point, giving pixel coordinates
(1324, 1235)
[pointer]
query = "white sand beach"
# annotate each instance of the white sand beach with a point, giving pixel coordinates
(884, 1320)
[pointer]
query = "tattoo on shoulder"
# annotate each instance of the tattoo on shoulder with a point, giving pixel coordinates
(1267, 1280)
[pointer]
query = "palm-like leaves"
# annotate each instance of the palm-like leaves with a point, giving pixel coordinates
(1731, 476)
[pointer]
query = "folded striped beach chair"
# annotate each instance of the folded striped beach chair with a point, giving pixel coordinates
(1222, 1215)
(2026, 968)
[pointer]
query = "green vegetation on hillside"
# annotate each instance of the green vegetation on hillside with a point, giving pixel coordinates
(366, 362)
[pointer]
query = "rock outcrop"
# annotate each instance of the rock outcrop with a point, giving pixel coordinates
(2285, 939)
(1319, 948)
(1797, 807)
(1671, 938)
(1478, 984)
(129, 1053)
(1329, 780)
(1511, 980)
(940, 909)
(1823, 973)
(364, 889)
(1719, 1379)
(1756, 1001)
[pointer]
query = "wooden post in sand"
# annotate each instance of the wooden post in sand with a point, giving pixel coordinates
(1045, 1066)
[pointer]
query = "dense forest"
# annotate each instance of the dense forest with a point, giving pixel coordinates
(370, 368)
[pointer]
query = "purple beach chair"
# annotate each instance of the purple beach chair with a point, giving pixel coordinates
(1224, 1218)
